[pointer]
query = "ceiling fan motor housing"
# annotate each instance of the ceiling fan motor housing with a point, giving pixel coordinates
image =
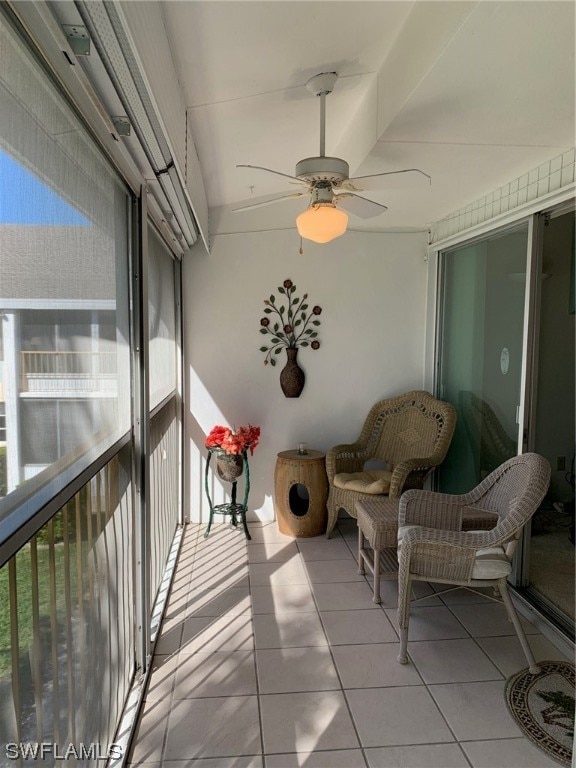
(315, 169)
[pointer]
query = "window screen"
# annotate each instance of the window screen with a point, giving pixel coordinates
(64, 220)
(162, 320)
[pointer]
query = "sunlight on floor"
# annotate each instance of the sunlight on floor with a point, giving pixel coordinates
(273, 650)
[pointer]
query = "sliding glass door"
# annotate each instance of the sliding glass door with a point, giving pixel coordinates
(506, 363)
(548, 566)
(480, 363)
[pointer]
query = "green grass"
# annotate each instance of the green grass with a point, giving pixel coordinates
(24, 590)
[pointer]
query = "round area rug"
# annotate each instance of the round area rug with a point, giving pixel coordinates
(543, 707)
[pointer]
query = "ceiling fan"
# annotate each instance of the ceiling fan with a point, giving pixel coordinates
(327, 182)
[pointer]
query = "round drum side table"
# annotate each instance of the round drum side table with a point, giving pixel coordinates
(300, 493)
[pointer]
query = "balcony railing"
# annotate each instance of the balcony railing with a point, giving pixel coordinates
(67, 635)
(49, 371)
(70, 627)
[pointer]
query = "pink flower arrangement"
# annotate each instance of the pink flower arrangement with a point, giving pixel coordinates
(234, 441)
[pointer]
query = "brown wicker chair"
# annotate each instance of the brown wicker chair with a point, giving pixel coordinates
(433, 547)
(410, 433)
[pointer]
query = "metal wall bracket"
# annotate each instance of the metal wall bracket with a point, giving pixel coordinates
(122, 125)
(78, 38)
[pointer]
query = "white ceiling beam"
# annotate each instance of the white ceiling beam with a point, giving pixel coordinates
(421, 41)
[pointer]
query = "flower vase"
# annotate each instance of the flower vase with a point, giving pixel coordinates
(292, 377)
(229, 466)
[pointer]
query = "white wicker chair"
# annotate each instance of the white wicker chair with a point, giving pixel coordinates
(433, 547)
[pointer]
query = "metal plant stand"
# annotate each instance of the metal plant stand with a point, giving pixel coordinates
(232, 508)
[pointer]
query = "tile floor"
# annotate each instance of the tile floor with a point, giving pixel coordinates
(273, 655)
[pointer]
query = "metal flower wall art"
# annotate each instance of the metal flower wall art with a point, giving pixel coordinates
(291, 324)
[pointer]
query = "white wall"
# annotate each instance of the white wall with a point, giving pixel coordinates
(372, 290)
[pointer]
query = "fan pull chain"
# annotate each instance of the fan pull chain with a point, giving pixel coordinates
(300, 250)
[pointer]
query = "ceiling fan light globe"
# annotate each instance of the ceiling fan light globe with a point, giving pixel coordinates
(322, 224)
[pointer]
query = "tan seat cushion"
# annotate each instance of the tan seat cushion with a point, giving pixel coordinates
(371, 481)
(489, 563)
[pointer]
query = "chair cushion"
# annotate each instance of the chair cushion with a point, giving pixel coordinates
(370, 481)
(489, 563)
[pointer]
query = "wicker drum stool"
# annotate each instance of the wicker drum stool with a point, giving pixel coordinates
(378, 525)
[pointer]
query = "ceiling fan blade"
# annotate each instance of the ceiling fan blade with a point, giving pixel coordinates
(359, 206)
(395, 180)
(278, 173)
(261, 203)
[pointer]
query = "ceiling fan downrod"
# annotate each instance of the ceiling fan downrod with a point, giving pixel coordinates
(321, 85)
(322, 125)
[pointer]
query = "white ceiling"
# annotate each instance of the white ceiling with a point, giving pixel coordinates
(474, 94)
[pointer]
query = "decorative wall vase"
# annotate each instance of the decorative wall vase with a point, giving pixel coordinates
(290, 323)
(229, 466)
(292, 377)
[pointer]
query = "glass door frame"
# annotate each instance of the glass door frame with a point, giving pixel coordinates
(521, 570)
(526, 437)
(528, 365)
(527, 415)
(550, 621)
(527, 331)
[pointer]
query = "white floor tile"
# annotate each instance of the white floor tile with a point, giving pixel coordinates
(170, 637)
(289, 670)
(488, 620)
(272, 552)
(161, 682)
(463, 596)
(513, 753)
(389, 593)
(288, 630)
(306, 722)
(353, 627)
(200, 675)
(452, 661)
(149, 735)
(216, 762)
(279, 573)
(222, 537)
(434, 623)
(215, 602)
(213, 728)
(418, 756)
(230, 570)
(345, 758)
(476, 710)
(331, 571)
(177, 605)
(182, 578)
(325, 549)
(348, 531)
(373, 666)
(353, 595)
(202, 709)
(507, 653)
(282, 599)
(207, 634)
(397, 716)
(268, 533)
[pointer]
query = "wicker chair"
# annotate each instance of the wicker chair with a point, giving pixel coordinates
(410, 433)
(491, 445)
(433, 547)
